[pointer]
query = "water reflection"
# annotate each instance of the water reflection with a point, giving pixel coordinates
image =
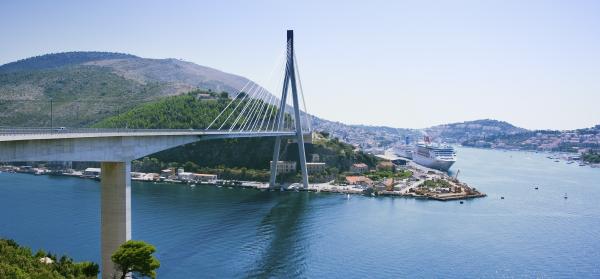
(280, 242)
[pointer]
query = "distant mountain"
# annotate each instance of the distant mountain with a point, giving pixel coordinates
(580, 140)
(56, 60)
(463, 131)
(88, 86)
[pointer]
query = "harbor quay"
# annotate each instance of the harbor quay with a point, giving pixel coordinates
(422, 183)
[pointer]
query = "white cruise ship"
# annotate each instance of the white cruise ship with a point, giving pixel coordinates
(434, 156)
(405, 151)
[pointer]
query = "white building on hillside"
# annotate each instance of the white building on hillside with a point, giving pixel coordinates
(285, 166)
(315, 167)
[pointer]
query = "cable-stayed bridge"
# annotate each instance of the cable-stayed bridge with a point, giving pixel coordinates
(252, 112)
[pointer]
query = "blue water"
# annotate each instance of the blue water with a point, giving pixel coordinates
(209, 232)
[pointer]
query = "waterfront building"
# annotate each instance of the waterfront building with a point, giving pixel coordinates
(185, 176)
(315, 157)
(359, 168)
(315, 167)
(359, 180)
(167, 172)
(151, 176)
(142, 176)
(26, 169)
(386, 184)
(285, 166)
(202, 177)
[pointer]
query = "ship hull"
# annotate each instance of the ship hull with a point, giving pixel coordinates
(443, 165)
(405, 153)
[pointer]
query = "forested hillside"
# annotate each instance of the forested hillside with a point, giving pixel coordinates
(85, 87)
(19, 263)
(80, 95)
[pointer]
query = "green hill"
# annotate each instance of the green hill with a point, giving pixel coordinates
(56, 60)
(80, 95)
(19, 263)
(86, 87)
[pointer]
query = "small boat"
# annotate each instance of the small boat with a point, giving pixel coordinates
(348, 196)
(461, 202)
(535, 187)
(501, 198)
(570, 162)
(556, 161)
(566, 196)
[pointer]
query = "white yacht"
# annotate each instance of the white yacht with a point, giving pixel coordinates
(435, 156)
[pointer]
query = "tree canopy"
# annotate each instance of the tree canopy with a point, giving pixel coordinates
(19, 262)
(135, 256)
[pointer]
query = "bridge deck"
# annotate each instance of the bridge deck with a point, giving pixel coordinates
(21, 134)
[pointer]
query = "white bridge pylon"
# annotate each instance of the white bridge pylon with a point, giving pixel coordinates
(253, 109)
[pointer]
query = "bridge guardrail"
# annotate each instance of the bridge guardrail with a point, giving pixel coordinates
(62, 130)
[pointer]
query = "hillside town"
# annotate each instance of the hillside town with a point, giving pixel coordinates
(372, 139)
(577, 141)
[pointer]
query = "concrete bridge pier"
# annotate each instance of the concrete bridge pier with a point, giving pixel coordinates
(116, 211)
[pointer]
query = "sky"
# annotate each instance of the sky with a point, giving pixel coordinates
(409, 64)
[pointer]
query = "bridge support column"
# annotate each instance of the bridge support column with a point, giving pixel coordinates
(116, 211)
(272, 181)
(299, 135)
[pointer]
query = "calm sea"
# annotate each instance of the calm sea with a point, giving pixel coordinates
(210, 232)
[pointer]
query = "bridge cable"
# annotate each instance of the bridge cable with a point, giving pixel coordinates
(275, 108)
(267, 106)
(306, 114)
(253, 109)
(239, 103)
(245, 96)
(252, 104)
(244, 101)
(225, 109)
(260, 114)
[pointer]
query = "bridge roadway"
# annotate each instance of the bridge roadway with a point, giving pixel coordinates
(115, 149)
(105, 145)
(17, 134)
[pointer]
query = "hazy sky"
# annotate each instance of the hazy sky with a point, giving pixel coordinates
(412, 64)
